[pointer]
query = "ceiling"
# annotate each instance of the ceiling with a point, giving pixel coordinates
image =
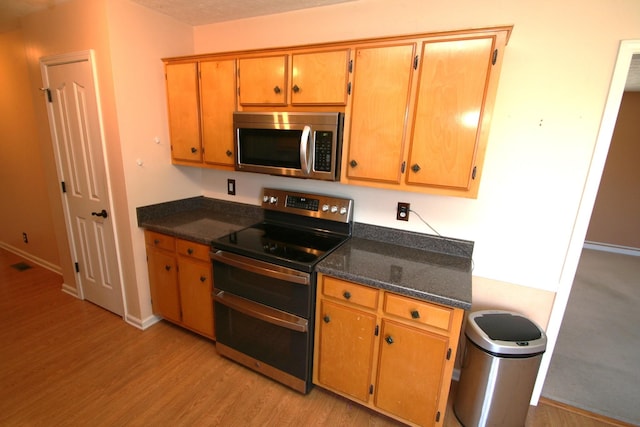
(201, 12)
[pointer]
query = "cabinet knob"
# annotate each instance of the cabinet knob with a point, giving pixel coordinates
(194, 150)
(190, 251)
(347, 294)
(156, 241)
(353, 163)
(229, 153)
(167, 267)
(295, 88)
(415, 314)
(277, 89)
(203, 279)
(415, 167)
(326, 318)
(389, 339)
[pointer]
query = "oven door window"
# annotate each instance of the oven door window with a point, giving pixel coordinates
(270, 147)
(280, 294)
(283, 348)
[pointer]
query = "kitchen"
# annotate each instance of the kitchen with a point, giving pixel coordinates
(513, 221)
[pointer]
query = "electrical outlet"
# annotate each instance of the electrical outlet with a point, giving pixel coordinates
(25, 238)
(403, 212)
(231, 187)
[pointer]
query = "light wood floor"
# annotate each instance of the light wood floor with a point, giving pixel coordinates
(67, 362)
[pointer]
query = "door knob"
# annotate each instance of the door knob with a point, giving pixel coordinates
(103, 213)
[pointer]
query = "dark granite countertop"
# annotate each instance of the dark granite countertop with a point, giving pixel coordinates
(430, 268)
(198, 219)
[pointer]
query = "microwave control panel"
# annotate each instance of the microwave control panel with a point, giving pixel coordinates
(323, 151)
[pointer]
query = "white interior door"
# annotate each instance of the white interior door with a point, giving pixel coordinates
(77, 134)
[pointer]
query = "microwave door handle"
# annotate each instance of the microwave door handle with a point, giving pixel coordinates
(305, 153)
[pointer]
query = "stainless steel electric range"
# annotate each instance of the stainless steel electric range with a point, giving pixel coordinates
(265, 283)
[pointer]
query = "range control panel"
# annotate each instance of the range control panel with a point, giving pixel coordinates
(307, 204)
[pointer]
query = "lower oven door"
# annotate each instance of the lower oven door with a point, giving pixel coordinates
(267, 339)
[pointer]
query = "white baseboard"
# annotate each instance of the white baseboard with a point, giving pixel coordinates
(606, 247)
(41, 262)
(142, 324)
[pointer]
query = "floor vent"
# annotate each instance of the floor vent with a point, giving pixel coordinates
(21, 266)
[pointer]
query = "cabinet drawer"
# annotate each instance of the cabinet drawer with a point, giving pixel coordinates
(351, 292)
(160, 241)
(192, 249)
(418, 311)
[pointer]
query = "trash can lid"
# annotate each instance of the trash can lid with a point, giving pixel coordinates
(504, 332)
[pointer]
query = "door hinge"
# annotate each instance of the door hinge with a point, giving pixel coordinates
(377, 331)
(473, 173)
(494, 58)
(415, 62)
(449, 354)
(64, 187)
(351, 65)
(403, 167)
(438, 417)
(349, 88)
(371, 389)
(77, 267)
(48, 91)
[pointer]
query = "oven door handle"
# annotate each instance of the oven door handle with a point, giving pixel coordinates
(262, 312)
(263, 268)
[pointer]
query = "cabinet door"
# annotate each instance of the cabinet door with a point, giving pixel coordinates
(184, 113)
(410, 372)
(452, 86)
(218, 101)
(320, 78)
(163, 282)
(346, 339)
(195, 295)
(381, 88)
(263, 81)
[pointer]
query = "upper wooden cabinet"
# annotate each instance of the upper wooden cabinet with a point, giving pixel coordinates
(417, 107)
(201, 99)
(420, 112)
(184, 111)
(296, 78)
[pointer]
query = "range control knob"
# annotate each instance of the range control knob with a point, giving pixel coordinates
(265, 199)
(334, 209)
(343, 210)
(273, 200)
(325, 208)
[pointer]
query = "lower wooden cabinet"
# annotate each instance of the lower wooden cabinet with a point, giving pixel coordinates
(391, 353)
(181, 282)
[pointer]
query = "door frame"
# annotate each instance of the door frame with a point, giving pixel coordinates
(61, 59)
(598, 159)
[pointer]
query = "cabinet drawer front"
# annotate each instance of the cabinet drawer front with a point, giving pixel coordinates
(347, 291)
(192, 249)
(418, 311)
(160, 241)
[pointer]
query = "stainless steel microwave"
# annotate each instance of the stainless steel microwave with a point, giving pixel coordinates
(302, 145)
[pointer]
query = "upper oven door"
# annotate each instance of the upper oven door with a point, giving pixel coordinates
(303, 145)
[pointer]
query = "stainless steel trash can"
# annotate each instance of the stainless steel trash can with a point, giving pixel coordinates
(499, 369)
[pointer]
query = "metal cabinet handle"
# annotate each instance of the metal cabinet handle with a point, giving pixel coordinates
(415, 167)
(167, 267)
(415, 314)
(347, 294)
(203, 279)
(353, 163)
(295, 88)
(190, 251)
(326, 318)
(277, 89)
(389, 339)
(156, 241)
(229, 153)
(194, 150)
